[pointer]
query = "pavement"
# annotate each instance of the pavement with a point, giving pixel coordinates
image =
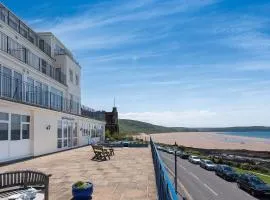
(128, 175)
(199, 184)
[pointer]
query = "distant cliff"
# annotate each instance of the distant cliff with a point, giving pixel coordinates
(133, 126)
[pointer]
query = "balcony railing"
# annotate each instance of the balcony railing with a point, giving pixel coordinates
(67, 53)
(14, 89)
(17, 25)
(26, 56)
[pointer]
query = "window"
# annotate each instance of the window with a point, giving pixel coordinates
(17, 86)
(56, 99)
(75, 130)
(6, 82)
(59, 134)
(25, 131)
(38, 93)
(4, 14)
(71, 75)
(25, 118)
(4, 116)
(77, 79)
(32, 37)
(23, 30)
(13, 22)
(32, 60)
(30, 90)
(59, 144)
(15, 127)
(45, 95)
(43, 66)
(16, 50)
(3, 42)
(3, 131)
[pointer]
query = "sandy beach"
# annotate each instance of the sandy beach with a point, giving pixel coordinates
(209, 140)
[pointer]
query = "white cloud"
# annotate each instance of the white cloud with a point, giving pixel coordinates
(184, 118)
(247, 116)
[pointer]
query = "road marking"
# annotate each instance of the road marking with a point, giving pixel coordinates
(196, 177)
(183, 167)
(210, 189)
(181, 185)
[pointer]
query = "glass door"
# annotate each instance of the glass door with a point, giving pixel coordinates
(67, 134)
(70, 129)
(75, 135)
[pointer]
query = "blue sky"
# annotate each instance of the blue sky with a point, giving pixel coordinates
(190, 63)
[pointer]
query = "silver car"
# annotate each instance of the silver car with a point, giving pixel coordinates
(208, 164)
(194, 159)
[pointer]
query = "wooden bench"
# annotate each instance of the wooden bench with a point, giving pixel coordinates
(100, 153)
(111, 151)
(20, 180)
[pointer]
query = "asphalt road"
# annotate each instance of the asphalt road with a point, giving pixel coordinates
(199, 184)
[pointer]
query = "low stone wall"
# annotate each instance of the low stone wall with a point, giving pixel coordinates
(136, 145)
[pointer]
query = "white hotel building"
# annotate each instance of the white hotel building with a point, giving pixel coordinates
(40, 94)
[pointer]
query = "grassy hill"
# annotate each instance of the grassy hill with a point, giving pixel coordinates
(133, 126)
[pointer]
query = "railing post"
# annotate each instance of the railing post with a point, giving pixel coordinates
(175, 171)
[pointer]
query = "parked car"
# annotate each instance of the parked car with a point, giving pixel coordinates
(184, 155)
(194, 159)
(208, 164)
(226, 172)
(170, 151)
(253, 184)
(160, 148)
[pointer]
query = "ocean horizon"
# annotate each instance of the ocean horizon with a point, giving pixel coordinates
(253, 134)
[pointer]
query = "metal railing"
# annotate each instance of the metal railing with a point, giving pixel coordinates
(165, 188)
(20, 52)
(16, 24)
(14, 89)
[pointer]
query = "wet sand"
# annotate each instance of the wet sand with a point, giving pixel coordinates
(209, 140)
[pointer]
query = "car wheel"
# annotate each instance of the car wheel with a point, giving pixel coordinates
(239, 185)
(253, 193)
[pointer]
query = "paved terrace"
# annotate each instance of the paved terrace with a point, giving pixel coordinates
(128, 175)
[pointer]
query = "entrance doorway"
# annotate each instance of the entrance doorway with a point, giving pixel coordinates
(67, 134)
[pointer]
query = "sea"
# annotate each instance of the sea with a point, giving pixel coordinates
(254, 134)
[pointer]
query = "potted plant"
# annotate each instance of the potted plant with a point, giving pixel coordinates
(82, 190)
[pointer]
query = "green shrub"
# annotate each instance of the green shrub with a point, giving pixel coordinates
(246, 166)
(81, 185)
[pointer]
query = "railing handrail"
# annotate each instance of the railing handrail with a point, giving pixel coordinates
(163, 181)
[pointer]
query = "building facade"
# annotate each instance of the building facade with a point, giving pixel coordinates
(111, 119)
(40, 94)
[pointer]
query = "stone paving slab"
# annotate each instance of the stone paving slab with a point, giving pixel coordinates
(129, 175)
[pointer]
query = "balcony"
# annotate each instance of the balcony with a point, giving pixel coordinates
(26, 56)
(16, 90)
(65, 52)
(12, 21)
